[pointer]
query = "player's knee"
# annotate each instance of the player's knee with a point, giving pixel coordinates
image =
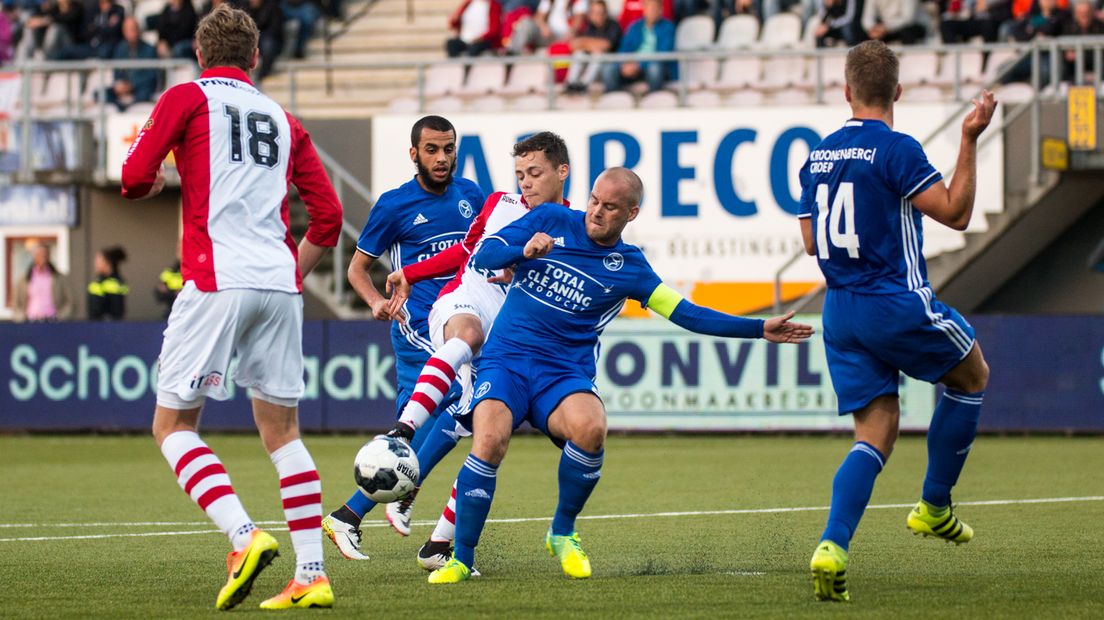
(472, 335)
(590, 435)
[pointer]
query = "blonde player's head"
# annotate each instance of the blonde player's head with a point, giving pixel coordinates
(871, 73)
(227, 38)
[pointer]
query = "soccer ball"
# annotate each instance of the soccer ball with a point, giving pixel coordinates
(386, 469)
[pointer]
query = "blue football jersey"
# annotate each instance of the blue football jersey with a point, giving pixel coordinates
(413, 225)
(856, 187)
(558, 305)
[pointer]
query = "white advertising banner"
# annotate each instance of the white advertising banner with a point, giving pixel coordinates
(721, 185)
(653, 375)
(121, 131)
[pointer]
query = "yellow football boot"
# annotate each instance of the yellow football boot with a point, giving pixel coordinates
(573, 559)
(453, 571)
(317, 594)
(829, 566)
(244, 566)
(928, 520)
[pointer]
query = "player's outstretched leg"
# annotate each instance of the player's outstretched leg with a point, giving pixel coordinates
(438, 443)
(950, 437)
(202, 476)
(851, 489)
(438, 549)
(301, 493)
(475, 486)
(435, 381)
(579, 473)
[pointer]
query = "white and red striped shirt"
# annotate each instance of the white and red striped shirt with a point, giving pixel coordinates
(236, 151)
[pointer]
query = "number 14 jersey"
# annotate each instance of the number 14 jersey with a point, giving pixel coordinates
(236, 151)
(856, 187)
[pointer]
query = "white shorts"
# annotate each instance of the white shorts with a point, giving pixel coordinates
(265, 329)
(463, 301)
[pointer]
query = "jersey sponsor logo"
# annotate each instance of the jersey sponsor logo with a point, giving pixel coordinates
(210, 379)
(478, 494)
(559, 285)
(508, 200)
(483, 389)
(420, 219)
(465, 208)
(614, 261)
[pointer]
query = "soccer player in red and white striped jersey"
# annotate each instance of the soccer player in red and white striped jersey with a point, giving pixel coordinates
(237, 151)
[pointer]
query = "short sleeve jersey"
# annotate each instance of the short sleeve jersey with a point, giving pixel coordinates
(558, 305)
(856, 187)
(413, 225)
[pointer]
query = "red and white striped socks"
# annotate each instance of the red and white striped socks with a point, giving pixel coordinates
(446, 525)
(434, 382)
(301, 492)
(202, 476)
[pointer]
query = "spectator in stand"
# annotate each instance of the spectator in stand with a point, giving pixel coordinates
(42, 296)
(132, 86)
(555, 20)
(514, 11)
(1045, 19)
(600, 35)
(476, 27)
(103, 29)
(840, 21)
(893, 21)
(632, 10)
(306, 13)
(107, 292)
(962, 20)
(9, 19)
(649, 34)
(52, 25)
(176, 26)
(211, 5)
(1083, 22)
(270, 23)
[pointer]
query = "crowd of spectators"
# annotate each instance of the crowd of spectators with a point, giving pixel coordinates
(582, 27)
(111, 29)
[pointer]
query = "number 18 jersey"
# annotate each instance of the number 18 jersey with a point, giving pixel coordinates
(856, 187)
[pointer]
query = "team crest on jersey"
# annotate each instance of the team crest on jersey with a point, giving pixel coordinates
(614, 261)
(465, 208)
(483, 389)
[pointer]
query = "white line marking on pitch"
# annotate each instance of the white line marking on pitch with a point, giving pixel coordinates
(696, 513)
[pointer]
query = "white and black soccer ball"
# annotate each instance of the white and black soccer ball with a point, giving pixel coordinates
(386, 469)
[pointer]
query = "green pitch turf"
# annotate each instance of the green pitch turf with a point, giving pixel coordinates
(1028, 559)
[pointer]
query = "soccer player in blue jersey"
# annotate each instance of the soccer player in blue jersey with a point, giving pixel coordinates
(412, 222)
(864, 191)
(572, 275)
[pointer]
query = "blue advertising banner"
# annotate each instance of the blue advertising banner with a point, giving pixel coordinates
(1047, 375)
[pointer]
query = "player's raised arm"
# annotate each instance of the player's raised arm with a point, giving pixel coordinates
(954, 206)
(519, 241)
(667, 302)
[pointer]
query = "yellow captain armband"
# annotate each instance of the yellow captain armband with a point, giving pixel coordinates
(663, 301)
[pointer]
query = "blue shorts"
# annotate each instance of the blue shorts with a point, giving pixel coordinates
(531, 389)
(870, 339)
(409, 361)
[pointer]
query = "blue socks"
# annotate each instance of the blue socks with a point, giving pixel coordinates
(579, 474)
(440, 440)
(950, 436)
(475, 488)
(851, 491)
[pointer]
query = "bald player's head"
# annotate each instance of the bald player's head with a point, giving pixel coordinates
(614, 202)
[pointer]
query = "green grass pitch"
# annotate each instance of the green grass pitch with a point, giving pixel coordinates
(1028, 559)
